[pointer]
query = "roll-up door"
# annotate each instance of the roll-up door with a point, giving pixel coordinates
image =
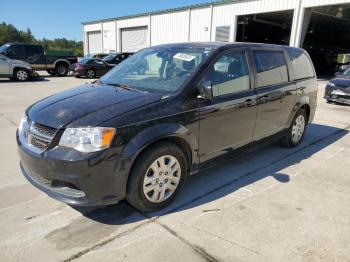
(134, 38)
(95, 42)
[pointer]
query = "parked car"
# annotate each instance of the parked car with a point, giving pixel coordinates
(338, 89)
(90, 68)
(35, 55)
(139, 135)
(114, 59)
(15, 69)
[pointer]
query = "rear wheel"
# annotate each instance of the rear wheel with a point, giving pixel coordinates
(296, 130)
(157, 177)
(61, 69)
(21, 74)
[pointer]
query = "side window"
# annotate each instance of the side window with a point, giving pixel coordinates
(16, 50)
(271, 67)
(33, 51)
(229, 74)
(301, 63)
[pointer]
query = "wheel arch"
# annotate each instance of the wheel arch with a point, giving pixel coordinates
(304, 102)
(61, 61)
(173, 133)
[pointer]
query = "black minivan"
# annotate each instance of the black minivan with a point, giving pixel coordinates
(137, 134)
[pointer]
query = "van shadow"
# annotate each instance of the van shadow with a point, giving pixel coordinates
(217, 182)
(9, 81)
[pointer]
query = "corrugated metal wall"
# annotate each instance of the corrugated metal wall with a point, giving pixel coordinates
(199, 24)
(169, 28)
(109, 43)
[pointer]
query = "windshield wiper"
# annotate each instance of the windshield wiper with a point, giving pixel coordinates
(125, 86)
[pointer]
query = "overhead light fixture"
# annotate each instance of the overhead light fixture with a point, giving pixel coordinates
(340, 12)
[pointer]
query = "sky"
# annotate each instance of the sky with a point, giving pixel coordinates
(62, 18)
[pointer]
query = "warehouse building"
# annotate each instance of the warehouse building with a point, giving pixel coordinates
(322, 27)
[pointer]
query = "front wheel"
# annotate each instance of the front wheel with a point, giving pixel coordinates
(90, 73)
(296, 130)
(21, 75)
(157, 177)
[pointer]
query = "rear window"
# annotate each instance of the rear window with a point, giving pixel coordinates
(271, 67)
(301, 63)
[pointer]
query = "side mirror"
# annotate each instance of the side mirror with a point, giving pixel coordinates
(205, 90)
(337, 73)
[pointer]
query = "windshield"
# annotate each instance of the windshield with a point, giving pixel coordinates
(347, 72)
(88, 56)
(84, 60)
(158, 70)
(4, 47)
(110, 57)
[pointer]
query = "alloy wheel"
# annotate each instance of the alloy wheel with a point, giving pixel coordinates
(22, 75)
(298, 128)
(90, 74)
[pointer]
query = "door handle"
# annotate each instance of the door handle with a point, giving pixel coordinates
(249, 102)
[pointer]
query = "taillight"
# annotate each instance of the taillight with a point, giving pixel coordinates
(79, 66)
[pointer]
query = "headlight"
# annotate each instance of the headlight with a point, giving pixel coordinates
(24, 124)
(331, 84)
(87, 139)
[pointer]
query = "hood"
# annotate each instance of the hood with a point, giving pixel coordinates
(87, 105)
(342, 82)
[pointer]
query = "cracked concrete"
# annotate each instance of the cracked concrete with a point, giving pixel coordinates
(273, 204)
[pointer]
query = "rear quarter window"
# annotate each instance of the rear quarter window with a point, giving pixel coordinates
(271, 67)
(301, 64)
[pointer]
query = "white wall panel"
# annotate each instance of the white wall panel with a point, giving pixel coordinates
(174, 26)
(92, 27)
(200, 24)
(169, 28)
(109, 43)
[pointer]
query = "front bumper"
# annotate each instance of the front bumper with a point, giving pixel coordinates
(332, 96)
(78, 72)
(72, 177)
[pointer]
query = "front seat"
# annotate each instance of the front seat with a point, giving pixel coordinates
(234, 69)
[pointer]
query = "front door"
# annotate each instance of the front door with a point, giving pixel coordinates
(276, 94)
(4, 67)
(227, 120)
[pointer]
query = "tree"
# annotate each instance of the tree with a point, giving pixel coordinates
(9, 33)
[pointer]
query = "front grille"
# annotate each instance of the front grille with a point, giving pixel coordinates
(38, 143)
(38, 136)
(45, 130)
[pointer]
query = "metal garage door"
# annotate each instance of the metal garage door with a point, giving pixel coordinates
(134, 39)
(95, 42)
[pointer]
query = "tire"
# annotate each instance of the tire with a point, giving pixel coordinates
(51, 72)
(296, 131)
(61, 69)
(148, 190)
(21, 74)
(90, 73)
